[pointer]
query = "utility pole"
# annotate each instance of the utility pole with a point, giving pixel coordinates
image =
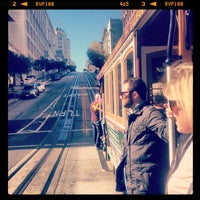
(46, 55)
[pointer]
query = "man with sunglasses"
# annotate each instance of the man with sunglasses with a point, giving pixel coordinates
(144, 164)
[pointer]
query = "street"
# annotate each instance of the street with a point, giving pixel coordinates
(50, 145)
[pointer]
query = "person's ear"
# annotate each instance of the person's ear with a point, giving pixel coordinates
(135, 94)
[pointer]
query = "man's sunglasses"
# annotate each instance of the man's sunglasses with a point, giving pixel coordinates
(123, 93)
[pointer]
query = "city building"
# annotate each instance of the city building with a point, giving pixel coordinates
(31, 33)
(63, 45)
(111, 34)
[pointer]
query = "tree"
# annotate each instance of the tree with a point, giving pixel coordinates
(60, 65)
(18, 64)
(96, 54)
(41, 63)
(24, 64)
(46, 64)
(72, 68)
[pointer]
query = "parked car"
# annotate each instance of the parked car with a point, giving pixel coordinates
(30, 91)
(29, 79)
(56, 76)
(40, 86)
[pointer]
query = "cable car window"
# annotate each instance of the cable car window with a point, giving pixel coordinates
(119, 88)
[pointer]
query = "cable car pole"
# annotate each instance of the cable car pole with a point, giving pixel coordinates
(167, 65)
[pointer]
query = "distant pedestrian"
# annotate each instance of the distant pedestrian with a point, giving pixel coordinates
(95, 108)
(145, 160)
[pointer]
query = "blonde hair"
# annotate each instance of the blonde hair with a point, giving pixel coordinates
(180, 87)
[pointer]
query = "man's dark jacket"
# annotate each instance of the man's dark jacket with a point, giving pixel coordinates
(145, 156)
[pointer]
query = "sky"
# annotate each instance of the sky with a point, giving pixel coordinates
(82, 27)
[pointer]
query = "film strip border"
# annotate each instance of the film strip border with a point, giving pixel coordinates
(109, 4)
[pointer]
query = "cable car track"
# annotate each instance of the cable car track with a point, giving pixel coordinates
(33, 174)
(40, 156)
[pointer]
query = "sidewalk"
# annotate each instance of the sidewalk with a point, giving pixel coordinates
(12, 101)
(85, 171)
(14, 94)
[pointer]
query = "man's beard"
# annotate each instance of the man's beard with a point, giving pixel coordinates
(129, 104)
